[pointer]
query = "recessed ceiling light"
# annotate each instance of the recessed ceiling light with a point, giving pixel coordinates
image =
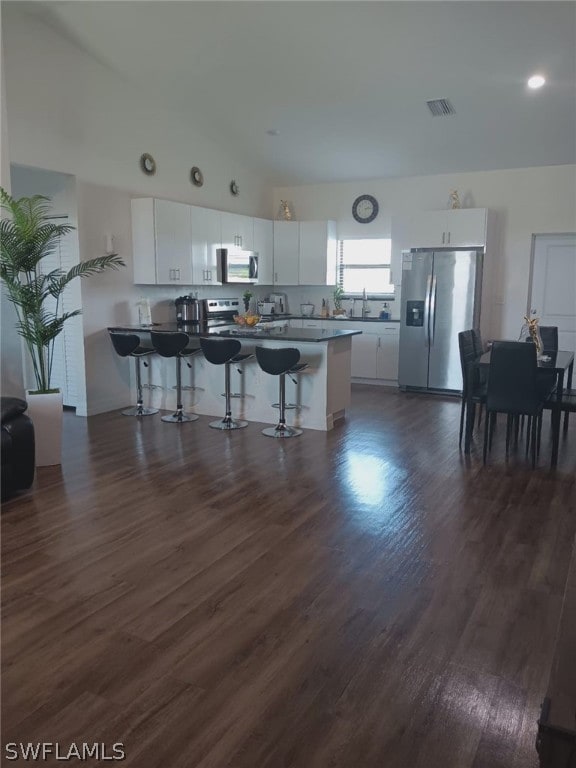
(536, 81)
(273, 132)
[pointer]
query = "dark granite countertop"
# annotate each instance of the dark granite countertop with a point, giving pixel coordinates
(286, 334)
(279, 334)
(344, 320)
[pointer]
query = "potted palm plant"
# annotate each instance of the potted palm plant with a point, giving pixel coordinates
(27, 236)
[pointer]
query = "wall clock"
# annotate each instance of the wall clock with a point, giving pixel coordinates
(234, 189)
(196, 176)
(147, 164)
(365, 209)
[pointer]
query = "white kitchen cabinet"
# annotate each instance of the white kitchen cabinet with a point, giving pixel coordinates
(264, 247)
(305, 253)
(161, 239)
(364, 351)
(205, 234)
(307, 323)
(294, 323)
(457, 228)
(375, 351)
(237, 231)
(286, 252)
(317, 253)
(387, 351)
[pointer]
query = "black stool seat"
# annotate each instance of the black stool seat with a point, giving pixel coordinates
(279, 362)
(175, 344)
(225, 352)
(129, 345)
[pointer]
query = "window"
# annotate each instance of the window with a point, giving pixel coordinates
(365, 264)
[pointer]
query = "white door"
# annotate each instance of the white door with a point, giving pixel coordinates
(553, 279)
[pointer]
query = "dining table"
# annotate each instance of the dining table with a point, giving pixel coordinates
(561, 363)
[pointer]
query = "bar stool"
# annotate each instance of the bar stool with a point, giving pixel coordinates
(173, 344)
(279, 362)
(225, 352)
(128, 345)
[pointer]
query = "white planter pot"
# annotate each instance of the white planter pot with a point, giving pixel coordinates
(46, 410)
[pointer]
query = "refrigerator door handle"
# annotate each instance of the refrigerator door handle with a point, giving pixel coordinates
(427, 312)
(432, 315)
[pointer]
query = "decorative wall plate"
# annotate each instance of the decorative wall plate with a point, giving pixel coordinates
(234, 189)
(196, 176)
(147, 164)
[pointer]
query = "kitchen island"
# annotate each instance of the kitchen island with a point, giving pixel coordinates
(322, 391)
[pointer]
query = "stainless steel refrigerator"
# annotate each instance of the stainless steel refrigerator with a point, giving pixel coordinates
(441, 293)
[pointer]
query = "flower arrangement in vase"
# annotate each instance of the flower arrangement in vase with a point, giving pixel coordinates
(531, 331)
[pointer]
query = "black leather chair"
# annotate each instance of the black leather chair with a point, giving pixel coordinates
(175, 344)
(477, 342)
(279, 362)
(225, 352)
(514, 389)
(549, 336)
(129, 345)
(18, 448)
(473, 388)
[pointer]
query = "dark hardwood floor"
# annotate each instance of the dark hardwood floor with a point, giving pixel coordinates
(364, 598)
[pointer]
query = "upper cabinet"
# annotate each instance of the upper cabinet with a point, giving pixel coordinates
(305, 253)
(456, 228)
(286, 250)
(460, 228)
(237, 231)
(206, 235)
(264, 248)
(318, 247)
(161, 237)
(179, 243)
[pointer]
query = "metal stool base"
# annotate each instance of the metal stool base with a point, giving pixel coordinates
(227, 424)
(179, 417)
(139, 410)
(281, 431)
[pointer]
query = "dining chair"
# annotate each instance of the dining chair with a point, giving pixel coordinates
(472, 388)
(549, 336)
(477, 341)
(567, 405)
(546, 381)
(513, 388)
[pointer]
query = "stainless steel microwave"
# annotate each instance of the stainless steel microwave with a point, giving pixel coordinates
(236, 266)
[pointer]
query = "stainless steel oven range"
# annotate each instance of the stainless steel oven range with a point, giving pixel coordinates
(220, 312)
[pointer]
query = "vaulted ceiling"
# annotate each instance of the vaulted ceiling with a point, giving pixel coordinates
(344, 84)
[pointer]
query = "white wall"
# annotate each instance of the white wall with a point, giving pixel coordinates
(526, 201)
(12, 380)
(68, 113)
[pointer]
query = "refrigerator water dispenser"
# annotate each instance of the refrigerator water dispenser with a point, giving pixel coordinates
(414, 313)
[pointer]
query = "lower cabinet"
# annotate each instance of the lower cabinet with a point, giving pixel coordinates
(364, 353)
(375, 351)
(387, 352)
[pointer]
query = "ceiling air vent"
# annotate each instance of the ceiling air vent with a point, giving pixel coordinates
(441, 107)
